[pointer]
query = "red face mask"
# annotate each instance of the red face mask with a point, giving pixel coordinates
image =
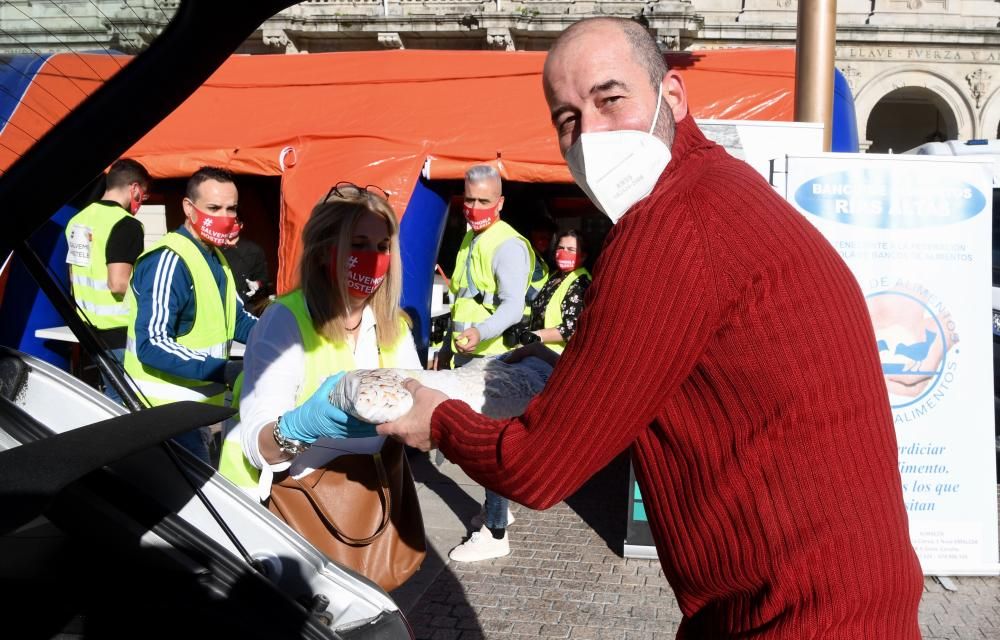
(365, 271)
(568, 261)
(480, 219)
(215, 230)
(136, 198)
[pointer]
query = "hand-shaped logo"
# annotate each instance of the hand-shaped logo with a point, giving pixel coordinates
(913, 343)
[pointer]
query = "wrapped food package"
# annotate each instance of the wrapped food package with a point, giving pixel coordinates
(488, 385)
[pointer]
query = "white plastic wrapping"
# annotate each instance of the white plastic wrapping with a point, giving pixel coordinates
(488, 385)
(373, 395)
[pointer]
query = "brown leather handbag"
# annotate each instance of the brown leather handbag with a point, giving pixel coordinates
(361, 510)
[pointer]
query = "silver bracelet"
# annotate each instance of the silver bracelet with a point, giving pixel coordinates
(286, 444)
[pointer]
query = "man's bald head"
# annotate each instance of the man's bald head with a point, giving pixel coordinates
(645, 51)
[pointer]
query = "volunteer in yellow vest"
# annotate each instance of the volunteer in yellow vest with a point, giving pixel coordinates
(557, 308)
(493, 271)
(495, 277)
(345, 316)
(186, 313)
(104, 240)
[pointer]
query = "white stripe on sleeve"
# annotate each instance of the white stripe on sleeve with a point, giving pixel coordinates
(158, 336)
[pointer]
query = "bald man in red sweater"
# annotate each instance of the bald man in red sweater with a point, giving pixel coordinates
(729, 348)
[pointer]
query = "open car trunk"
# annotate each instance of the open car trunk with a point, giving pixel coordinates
(108, 530)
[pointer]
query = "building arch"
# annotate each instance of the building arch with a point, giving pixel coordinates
(930, 104)
(989, 117)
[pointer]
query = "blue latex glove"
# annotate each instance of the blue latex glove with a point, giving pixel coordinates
(318, 418)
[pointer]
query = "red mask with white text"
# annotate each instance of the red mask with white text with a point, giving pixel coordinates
(215, 230)
(480, 219)
(365, 271)
(567, 261)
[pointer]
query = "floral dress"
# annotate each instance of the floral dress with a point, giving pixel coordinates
(572, 304)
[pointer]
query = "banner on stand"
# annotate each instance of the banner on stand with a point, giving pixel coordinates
(916, 232)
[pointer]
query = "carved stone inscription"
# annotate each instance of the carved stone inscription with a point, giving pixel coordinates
(917, 53)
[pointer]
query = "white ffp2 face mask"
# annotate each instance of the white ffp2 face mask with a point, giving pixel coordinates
(616, 169)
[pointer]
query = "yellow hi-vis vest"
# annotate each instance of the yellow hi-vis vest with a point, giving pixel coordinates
(475, 288)
(87, 236)
(553, 310)
(211, 332)
(324, 358)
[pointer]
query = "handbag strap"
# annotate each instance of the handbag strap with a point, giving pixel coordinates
(385, 497)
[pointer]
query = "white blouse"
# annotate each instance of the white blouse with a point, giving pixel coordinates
(273, 374)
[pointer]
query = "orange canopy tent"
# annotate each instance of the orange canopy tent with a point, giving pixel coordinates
(379, 117)
(382, 117)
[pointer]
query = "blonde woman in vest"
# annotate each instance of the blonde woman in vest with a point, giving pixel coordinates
(345, 316)
(557, 308)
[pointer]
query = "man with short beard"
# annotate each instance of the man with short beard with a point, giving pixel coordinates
(104, 240)
(185, 313)
(493, 272)
(748, 389)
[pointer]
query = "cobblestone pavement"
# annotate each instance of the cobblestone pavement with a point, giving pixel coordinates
(565, 577)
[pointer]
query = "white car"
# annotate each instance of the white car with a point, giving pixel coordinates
(97, 505)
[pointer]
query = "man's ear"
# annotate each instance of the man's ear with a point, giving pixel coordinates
(499, 204)
(188, 208)
(675, 94)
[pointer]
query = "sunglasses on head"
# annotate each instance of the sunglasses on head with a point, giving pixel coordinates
(349, 191)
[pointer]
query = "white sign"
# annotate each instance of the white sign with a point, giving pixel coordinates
(915, 231)
(764, 144)
(80, 239)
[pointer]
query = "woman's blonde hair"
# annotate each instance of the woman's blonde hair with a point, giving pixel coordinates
(331, 226)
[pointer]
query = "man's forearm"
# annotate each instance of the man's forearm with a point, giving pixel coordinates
(118, 277)
(169, 356)
(508, 313)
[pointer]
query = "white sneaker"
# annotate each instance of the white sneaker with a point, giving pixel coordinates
(481, 546)
(479, 519)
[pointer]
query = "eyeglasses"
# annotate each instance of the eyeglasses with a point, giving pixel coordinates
(351, 191)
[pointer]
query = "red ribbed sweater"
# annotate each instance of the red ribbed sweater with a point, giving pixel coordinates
(728, 346)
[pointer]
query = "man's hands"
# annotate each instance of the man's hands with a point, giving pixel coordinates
(467, 341)
(317, 418)
(414, 428)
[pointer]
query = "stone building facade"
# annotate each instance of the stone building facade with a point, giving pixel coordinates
(920, 70)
